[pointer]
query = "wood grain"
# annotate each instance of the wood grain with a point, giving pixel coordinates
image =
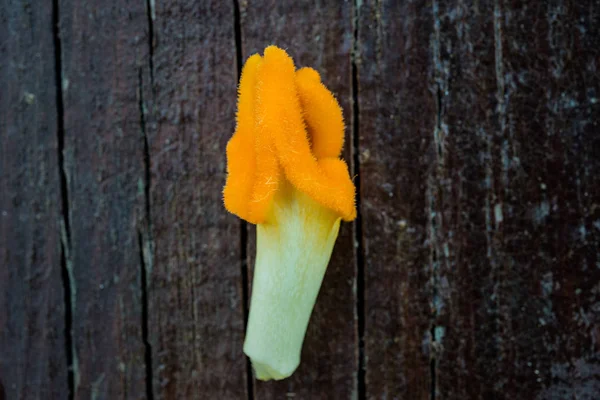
(518, 301)
(33, 357)
(196, 320)
(397, 130)
(474, 142)
(321, 37)
(103, 49)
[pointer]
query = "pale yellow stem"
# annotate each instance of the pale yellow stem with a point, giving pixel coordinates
(293, 249)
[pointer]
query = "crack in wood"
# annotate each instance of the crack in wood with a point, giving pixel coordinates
(66, 271)
(146, 147)
(147, 345)
(360, 274)
(146, 256)
(145, 267)
(145, 253)
(151, 15)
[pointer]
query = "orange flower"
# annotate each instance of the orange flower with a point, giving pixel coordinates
(285, 175)
(289, 126)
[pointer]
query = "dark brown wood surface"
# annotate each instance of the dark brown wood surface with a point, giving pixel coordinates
(102, 46)
(472, 130)
(518, 283)
(196, 323)
(397, 123)
(33, 356)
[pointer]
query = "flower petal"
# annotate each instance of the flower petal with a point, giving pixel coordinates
(272, 140)
(322, 114)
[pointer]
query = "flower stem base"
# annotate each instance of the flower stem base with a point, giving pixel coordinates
(293, 249)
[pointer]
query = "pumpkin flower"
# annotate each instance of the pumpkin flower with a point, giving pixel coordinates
(284, 174)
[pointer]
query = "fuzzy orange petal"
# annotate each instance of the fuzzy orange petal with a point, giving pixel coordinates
(272, 142)
(322, 114)
(279, 110)
(241, 155)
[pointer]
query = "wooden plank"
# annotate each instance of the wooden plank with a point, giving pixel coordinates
(321, 37)
(104, 48)
(397, 130)
(466, 242)
(33, 356)
(518, 283)
(196, 321)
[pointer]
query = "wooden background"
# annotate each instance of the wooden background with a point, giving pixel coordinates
(472, 272)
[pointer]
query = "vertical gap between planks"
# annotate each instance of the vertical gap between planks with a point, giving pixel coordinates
(147, 347)
(243, 224)
(143, 265)
(146, 260)
(360, 286)
(68, 320)
(150, 14)
(66, 225)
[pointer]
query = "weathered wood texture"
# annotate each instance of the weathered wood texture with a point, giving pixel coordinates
(517, 191)
(397, 121)
(103, 48)
(33, 357)
(320, 36)
(486, 118)
(196, 323)
(472, 127)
